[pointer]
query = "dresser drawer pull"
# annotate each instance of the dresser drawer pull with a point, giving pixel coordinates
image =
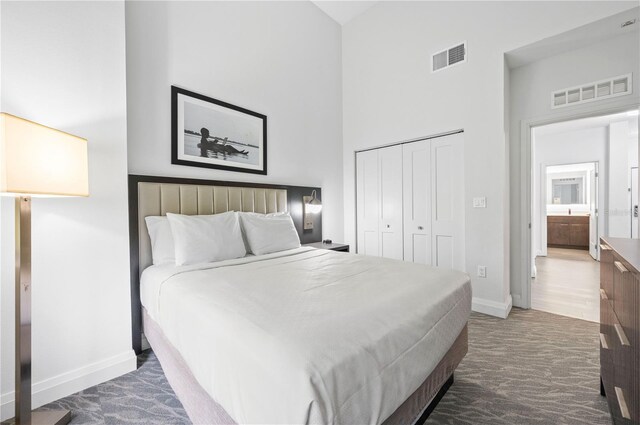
(603, 341)
(604, 247)
(603, 294)
(624, 410)
(621, 335)
(620, 267)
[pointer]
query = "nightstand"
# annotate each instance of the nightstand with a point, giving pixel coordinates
(331, 246)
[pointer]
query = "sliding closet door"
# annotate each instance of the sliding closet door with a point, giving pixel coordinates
(416, 164)
(368, 202)
(390, 166)
(447, 207)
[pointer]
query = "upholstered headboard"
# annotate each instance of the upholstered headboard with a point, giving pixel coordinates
(161, 198)
(151, 195)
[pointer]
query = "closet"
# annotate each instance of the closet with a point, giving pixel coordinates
(410, 202)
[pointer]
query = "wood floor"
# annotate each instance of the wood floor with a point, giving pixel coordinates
(568, 283)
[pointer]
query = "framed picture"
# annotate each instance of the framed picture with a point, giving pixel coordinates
(210, 133)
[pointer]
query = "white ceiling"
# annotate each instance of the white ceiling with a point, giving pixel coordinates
(343, 11)
(576, 38)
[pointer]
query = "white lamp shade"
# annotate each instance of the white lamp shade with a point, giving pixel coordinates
(39, 160)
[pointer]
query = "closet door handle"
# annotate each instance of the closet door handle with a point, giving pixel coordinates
(621, 335)
(420, 228)
(620, 267)
(624, 409)
(388, 226)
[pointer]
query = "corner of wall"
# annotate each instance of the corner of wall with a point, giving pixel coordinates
(492, 308)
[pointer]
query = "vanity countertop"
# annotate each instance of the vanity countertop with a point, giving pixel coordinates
(568, 215)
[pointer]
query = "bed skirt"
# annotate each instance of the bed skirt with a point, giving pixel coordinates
(202, 409)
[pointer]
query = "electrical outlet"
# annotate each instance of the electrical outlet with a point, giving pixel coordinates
(480, 202)
(482, 271)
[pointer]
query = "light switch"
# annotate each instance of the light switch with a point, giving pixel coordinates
(480, 202)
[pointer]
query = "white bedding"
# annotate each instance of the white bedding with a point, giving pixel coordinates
(308, 335)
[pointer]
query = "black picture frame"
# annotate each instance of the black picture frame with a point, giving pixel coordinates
(215, 149)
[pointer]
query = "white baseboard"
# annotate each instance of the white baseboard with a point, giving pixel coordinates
(492, 308)
(71, 382)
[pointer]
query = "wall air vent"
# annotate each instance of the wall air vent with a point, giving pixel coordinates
(449, 57)
(598, 90)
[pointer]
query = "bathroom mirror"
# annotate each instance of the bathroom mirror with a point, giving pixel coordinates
(568, 191)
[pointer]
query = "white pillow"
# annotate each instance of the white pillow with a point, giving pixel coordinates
(206, 238)
(270, 233)
(162, 248)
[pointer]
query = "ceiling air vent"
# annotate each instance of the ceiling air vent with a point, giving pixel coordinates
(449, 57)
(597, 90)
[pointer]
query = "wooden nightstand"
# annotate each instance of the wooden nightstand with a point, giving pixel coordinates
(331, 246)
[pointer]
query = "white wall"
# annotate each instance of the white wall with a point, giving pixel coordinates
(622, 151)
(282, 59)
(63, 65)
(530, 100)
(566, 147)
(389, 95)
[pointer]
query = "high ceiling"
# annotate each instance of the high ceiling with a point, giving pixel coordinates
(343, 11)
(577, 38)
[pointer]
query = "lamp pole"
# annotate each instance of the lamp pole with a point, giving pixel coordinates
(23, 310)
(24, 415)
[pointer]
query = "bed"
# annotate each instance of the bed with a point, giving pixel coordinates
(298, 336)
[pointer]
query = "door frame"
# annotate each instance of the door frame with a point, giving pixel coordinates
(633, 186)
(526, 127)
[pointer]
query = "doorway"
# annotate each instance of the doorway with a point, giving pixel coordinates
(582, 188)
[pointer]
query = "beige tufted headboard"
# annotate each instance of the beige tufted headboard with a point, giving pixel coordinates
(191, 199)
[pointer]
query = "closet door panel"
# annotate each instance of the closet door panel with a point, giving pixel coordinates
(447, 194)
(444, 251)
(390, 225)
(368, 202)
(416, 163)
(419, 249)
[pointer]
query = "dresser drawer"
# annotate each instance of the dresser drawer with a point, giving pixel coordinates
(606, 269)
(624, 394)
(625, 296)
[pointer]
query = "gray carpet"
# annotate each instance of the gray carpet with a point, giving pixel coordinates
(533, 368)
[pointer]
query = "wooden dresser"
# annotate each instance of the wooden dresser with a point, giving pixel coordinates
(620, 328)
(568, 231)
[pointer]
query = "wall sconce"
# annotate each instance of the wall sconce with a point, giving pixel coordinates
(312, 206)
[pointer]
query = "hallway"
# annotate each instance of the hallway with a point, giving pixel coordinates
(567, 283)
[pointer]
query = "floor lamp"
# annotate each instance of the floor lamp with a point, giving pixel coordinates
(35, 161)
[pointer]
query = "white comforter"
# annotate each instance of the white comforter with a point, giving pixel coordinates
(307, 335)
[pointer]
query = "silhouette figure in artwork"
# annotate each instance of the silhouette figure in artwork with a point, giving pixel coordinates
(204, 142)
(213, 146)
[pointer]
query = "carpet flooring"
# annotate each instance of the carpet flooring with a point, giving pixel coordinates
(533, 368)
